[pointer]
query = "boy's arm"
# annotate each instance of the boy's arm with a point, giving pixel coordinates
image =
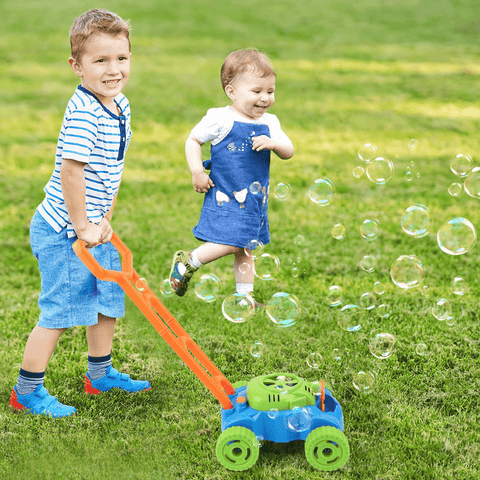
(193, 151)
(283, 149)
(72, 178)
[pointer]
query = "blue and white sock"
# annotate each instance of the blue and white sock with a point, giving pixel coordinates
(97, 366)
(28, 382)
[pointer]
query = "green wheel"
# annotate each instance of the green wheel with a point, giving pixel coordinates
(326, 448)
(236, 450)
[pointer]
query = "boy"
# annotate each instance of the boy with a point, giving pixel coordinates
(242, 135)
(79, 201)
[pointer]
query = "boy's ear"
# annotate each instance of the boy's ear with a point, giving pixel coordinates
(76, 67)
(230, 92)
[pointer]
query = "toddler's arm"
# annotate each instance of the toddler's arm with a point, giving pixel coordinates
(193, 151)
(284, 150)
(72, 178)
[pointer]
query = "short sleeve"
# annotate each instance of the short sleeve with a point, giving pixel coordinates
(276, 131)
(79, 135)
(212, 125)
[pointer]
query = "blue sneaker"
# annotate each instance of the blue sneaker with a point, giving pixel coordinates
(114, 379)
(40, 402)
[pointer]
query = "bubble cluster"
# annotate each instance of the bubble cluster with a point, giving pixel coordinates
(407, 272)
(369, 229)
(283, 309)
(207, 288)
(349, 318)
(416, 221)
(457, 236)
(282, 191)
(380, 170)
(335, 296)
(382, 345)
(338, 231)
(266, 266)
(322, 192)
(364, 381)
(238, 307)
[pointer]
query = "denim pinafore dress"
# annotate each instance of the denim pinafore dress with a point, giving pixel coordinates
(234, 211)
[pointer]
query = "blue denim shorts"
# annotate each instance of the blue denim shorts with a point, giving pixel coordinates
(70, 294)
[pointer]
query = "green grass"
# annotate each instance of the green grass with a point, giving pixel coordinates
(348, 73)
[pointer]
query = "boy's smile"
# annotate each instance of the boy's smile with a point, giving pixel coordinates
(251, 95)
(104, 67)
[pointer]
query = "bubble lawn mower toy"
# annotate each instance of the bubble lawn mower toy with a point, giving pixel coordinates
(279, 407)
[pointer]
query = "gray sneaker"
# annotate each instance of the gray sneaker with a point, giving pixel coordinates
(181, 272)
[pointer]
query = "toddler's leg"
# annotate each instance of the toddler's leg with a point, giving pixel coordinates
(208, 252)
(243, 270)
(101, 376)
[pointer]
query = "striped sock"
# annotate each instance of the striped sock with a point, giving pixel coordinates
(97, 366)
(28, 382)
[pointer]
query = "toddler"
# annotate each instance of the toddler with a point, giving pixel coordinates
(79, 201)
(234, 213)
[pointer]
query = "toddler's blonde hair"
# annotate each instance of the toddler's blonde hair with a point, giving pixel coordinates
(242, 60)
(92, 22)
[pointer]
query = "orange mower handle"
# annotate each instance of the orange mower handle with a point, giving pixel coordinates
(160, 318)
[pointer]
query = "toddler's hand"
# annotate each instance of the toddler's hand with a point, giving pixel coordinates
(202, 182)
(262, 142)
(94, 234)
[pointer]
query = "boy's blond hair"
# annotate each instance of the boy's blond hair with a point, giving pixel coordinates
(92, 22)
(241, 61)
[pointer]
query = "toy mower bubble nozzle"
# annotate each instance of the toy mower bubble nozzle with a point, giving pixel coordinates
(278, 407)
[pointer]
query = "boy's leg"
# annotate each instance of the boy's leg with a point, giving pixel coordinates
(29, 393)
(101, 376)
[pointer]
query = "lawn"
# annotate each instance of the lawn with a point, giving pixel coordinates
(402, 75)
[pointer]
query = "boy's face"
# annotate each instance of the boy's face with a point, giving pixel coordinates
(104, 66)
(251, 95)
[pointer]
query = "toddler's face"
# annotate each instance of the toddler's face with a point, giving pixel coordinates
(104, 66)
(251, 95)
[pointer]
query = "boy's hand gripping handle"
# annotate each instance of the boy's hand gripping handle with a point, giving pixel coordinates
(161, 319)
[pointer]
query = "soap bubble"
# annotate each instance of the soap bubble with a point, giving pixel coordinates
(369, 229)
(367, 152)
(461, 164)
(407, 272)
(380, 170)
(322, 192)
(141, 283)
(442, 309)
(455, 189)
(412, 144)
(379, 288)
(459, 286)
(255, 187)
(298, 240)
(457, 236)
(349, 318)
(314, 360)
(421, 349)
(383, 311)
(238, 307)
(416, 220)
(357, 172)
(472, 183)
(244, 268)
(408, 175)
(336, 355)
(257, 441)
(364, 381)
(207, 288)
(294, 270)
(335, 296)
(299, 419)
(382, 345)
(367, 301)
(257, 349)
(272, 413)
(166, 288)
(283, 309)
(338, 231)
(266, 266)
(282, 191)
(368, 263)
(254, 248)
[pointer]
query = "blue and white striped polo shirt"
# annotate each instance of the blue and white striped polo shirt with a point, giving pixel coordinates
(94, 135)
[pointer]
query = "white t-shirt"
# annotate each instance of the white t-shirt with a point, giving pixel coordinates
(218, 122)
